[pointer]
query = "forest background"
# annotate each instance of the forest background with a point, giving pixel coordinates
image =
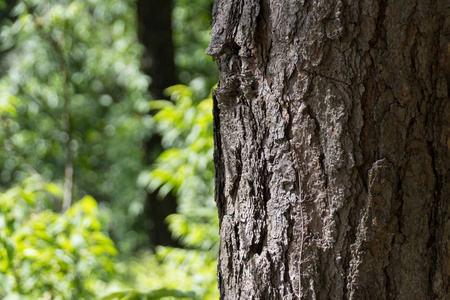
(94, 161)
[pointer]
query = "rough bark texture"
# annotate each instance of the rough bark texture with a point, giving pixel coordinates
(332, 137)
(155, 24)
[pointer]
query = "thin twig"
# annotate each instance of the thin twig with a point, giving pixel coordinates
(68, 167)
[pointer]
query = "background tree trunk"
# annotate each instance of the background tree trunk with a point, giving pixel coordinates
(332, 137)
(155, 33)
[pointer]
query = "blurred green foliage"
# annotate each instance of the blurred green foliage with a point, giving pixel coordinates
(45, 255)
(74, 80)
(151, 295)
(186, 168)
(191, 25)
(71, 84)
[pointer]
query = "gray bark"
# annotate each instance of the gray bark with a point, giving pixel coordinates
(332, 138)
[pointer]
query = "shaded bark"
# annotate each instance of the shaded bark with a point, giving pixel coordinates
(155, 24)
(332, 137)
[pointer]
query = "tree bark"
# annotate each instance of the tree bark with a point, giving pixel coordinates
(332, 137)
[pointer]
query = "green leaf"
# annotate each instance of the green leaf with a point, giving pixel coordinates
(6, 283)
(150, 295)
(15, 296)
(117, 295)
(54, 189)
(159, 104)
(88, 204)
(161, 293)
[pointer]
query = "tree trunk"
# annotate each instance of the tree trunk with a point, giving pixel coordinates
(155, 33)
(332, 137)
